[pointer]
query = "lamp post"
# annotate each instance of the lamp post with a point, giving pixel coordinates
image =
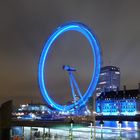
(91, 125)
(101, 124)
(23, 132)
(43, 133)
(120, 126)
(71, 129)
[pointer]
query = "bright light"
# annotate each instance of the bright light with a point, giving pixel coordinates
(102, 74)
(23, 106)
(33, 115)
(116, 72)
(102, 83)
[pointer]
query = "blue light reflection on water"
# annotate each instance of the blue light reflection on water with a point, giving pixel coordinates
(125, 124)
(129, 130)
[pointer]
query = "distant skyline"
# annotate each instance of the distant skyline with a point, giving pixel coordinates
(26, 25)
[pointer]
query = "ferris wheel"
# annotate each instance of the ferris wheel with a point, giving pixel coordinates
(83, 98)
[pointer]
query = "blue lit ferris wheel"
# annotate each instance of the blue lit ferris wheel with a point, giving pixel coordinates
(83, 29)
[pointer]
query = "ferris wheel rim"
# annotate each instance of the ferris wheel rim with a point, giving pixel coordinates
(84, 30)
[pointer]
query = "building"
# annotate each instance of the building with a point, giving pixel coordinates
(33, 112)
(109, 79)
(5, 120)
(123, 102)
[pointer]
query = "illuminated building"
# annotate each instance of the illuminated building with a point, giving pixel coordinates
(32, 112)
(109, 79)
(124, 102)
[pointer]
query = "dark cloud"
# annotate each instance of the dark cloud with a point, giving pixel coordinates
(26, 25)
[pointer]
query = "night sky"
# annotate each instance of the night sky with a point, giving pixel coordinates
(25, 26)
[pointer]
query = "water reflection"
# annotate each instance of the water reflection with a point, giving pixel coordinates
(125, 124)
(128, 130)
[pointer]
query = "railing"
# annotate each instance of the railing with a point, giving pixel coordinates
(83, 133)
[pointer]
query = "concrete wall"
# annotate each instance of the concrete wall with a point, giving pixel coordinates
(5, 120)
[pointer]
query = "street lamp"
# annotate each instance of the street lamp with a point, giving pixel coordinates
(101, 123)
(120, 125)
(91, 124)
(71, 129)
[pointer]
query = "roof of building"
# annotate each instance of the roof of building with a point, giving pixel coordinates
(122, 94)
(112, 68)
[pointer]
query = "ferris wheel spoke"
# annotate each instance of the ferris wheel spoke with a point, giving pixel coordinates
(77, 87)
(78, 90)
(72, 87)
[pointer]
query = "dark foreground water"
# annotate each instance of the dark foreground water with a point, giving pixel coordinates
(111, 130)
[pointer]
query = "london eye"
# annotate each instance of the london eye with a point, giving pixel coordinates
(83, 98)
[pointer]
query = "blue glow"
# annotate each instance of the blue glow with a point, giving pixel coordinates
(79, 27)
